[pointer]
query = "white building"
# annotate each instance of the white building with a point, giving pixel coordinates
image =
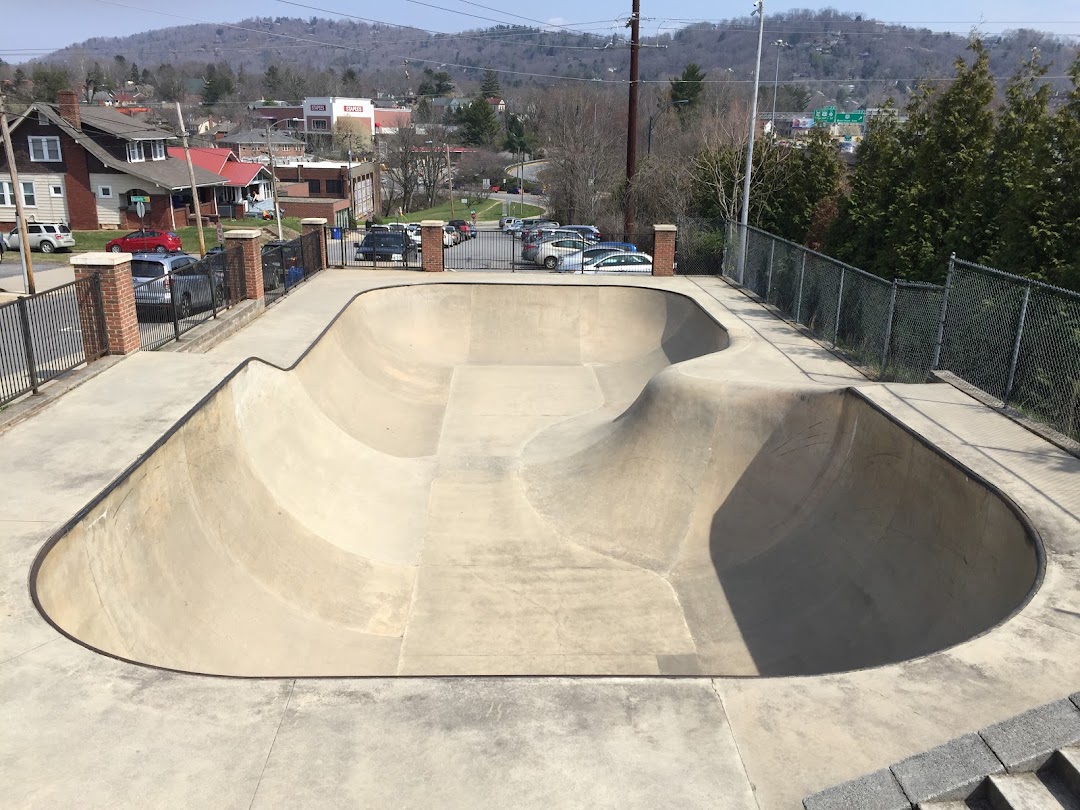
(322, 114)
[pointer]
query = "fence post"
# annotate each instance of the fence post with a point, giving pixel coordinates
(213, 286)
(28, 342)
(250, 274)
(117, 296)
(887, 347)
(798, 300)
(1016, 346)
(431, 245)
(768, 279)
(664, 250)
(172, 297)
(315, 225)
(839, 302)
(936, 359)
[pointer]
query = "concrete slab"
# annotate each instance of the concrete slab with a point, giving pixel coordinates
(93, 730)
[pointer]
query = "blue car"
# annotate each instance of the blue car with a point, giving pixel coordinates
(625, 247)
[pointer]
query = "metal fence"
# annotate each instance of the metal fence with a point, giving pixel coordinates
(886, 327)
(1016, 339)
(286, 264)
(175, 303)
(49, 334)
(351, 247)
(1013, 338)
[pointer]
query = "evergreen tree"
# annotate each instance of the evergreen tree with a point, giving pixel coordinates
(272, 82)
(810, 176)
(516, 140)
(1020, 235)
(1066, 208)
(490, 87)
(133, 75)
(688, 87)
(479, 124)
(218, 83)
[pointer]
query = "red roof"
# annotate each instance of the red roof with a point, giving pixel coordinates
(220, 161)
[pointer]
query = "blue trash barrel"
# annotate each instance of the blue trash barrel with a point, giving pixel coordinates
(335, 233)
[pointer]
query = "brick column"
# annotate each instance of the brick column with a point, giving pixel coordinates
(117, 299)
(251, 256)
(663, 256)
(317, 224)
(431, 245)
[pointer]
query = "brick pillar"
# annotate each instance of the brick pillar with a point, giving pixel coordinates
(431, 245)
(117, 298)
(317, 225)
(663, 257)
(251, 256)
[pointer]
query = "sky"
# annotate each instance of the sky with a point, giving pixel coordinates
(70, 21)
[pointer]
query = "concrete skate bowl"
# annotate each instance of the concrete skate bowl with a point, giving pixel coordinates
(532, 480)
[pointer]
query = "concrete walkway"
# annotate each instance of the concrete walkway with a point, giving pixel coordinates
(84, 729)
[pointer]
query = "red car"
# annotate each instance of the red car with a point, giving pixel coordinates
(144, 242)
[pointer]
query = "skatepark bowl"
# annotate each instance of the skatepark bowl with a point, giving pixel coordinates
(471, 479)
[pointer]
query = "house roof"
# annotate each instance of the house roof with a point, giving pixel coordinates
(169, 174)
(223, 162)
(119, 125)
(259, 136)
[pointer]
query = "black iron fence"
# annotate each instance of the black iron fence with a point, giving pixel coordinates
(383, 247)
(174, 303)
(46, 335)
(286, 264)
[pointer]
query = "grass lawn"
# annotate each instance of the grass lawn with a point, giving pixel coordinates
(86, 241)
(486, 210)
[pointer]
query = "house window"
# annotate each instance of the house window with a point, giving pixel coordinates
(313, 187)
(104, 192)
(135, 153)
(56, 190)
(44, 148)
(7, 196)
(157, 150)
(29, 198)
(334, 187)
(42, 118)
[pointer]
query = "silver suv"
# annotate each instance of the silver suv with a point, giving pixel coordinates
(44, 236)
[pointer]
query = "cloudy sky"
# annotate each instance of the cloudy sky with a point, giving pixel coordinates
(68, 21)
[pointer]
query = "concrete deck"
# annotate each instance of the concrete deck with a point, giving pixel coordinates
(88, 729)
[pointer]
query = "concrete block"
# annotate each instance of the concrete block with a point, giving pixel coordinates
(875, 791)
(950, 771)
(1027, 741)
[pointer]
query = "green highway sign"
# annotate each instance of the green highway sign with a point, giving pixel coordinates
(857, 117)
(136, 199)
(825, 115)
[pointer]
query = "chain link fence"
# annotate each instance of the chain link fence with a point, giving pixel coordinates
(1016, 339)
(699, 247)
(888, 328)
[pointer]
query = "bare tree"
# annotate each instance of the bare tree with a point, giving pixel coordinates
(403, 155)
(432, 163)
(351, 135)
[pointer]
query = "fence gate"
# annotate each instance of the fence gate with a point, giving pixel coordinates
(489, 249)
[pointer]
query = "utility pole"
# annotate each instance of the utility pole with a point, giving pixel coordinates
(20, 216)
(776, 84)
(450, 179)
(631, 120)
(744, 215)
(191, 177)
(273, 182)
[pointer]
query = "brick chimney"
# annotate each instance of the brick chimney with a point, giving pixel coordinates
(69, 107)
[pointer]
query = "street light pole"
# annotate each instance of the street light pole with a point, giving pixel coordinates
(655, 115)
(450, 179)
(776, 84)
(273, 175)
(744, 215)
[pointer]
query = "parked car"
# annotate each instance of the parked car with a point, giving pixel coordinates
(44, 236)
(160, 279)
(467, 229)
(506, 224)
(531, 245)
(548, 253)
(451, 236)
(386, 246)
(144, 242)
(583, 258)
(621, 263)
(414, 233)
(626, 247)
(590, 232)
(281, 267)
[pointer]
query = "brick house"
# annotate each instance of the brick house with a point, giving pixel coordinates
(250, 144)
(83, 164)
(324, 189)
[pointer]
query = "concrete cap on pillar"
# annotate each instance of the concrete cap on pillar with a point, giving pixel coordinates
(665, 227)
(100, 259)
(243, 233)
(432, 223)
(313, 221)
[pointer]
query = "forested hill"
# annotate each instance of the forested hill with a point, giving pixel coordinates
(842, 57)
